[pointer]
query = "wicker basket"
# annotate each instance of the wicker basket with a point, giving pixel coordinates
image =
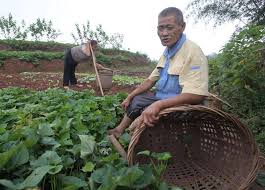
(211, 150)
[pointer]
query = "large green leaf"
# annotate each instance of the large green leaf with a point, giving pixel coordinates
(45, 130)
(49, 141)
(31, 137)
(261, 179)
(9, 184)
(108, 185)
(110, 158)
(55, 169)
(102, 175)
(163, 186)
(21, 157)
(71, 182)
(47, 158)
(127, 176)
(6, 156)
(87, 145)
(146, 179)
(161, 156)
(35, 177)
(88, 167)
(3, 128)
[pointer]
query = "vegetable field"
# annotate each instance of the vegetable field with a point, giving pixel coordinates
(56, 139)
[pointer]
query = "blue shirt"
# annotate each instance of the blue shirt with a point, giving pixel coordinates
(168, 85)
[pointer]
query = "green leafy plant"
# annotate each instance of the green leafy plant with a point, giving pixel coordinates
(261, 179)
(237, 73)
(39, 30)
(56, 139)
(10, 29)
(84, 33)
(247, 11)
(127, 80)
(23, 45)
(118, 79)
(32, 57)
(159, 164)
(42, 29)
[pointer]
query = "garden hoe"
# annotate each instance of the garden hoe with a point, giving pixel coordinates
(95, 66)
(112, 139)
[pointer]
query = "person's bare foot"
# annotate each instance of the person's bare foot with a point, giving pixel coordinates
(116, 132)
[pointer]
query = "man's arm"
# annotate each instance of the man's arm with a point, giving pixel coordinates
(146, 85)
(184, 98)
(143, 87)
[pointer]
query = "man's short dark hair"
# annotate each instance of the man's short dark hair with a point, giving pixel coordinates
(172, 11)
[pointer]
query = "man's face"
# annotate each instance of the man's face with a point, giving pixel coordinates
(169, 30)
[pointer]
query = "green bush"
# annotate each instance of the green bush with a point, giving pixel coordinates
(41, 29)
(103, 59)
(30, 56)
(22, 45)
(239, 74)
(84, 33)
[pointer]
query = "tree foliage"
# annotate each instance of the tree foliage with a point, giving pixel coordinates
(41, 29)
(239, 74)
(10, 29)
(248, 11)
(84, 33)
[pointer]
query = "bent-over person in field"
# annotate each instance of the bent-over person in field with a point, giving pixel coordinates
(73, 57)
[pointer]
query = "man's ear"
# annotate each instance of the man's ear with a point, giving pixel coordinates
(183, 26)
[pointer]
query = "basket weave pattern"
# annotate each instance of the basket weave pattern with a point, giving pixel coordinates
(210, 149)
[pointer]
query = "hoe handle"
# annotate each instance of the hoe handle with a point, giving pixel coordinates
(118, 146)
(95, 66)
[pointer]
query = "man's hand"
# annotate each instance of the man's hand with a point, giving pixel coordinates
(150, 114)
(126, 103)
(99, 66)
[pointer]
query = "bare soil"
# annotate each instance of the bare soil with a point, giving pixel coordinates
(49, 74)
(43, 81)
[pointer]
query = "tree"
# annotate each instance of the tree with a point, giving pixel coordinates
(84, 33)
(239, 74)
(116, 40)
(42, 28)
(247, 11)
(101, 36)
(9, 28)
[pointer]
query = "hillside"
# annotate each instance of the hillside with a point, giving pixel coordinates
(23, 56)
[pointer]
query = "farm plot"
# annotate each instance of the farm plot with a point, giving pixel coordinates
(57, 139)
(46, 80)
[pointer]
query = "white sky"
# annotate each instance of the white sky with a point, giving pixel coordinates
(135, 19)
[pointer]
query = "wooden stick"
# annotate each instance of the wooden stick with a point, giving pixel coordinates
(215, 96)
(118, 146)
(95, 66)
